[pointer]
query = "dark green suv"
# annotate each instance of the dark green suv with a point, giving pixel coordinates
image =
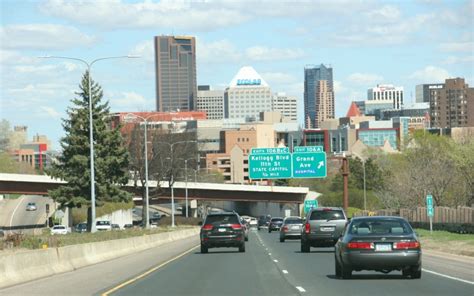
(322, 228)
(222, 230)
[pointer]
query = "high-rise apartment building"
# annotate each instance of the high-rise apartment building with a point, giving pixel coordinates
(318, 95)
(286, 105)
(211, 102)
(386, 93)
(422, 93)
(175, 66)
(452, 104)
(247, 95)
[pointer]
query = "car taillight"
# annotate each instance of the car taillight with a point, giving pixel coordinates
(236, 226)
(406, 245)
(207, 227)
(358, 245)
(307, 228)
(285, 228)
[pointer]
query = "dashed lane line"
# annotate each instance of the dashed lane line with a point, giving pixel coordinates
(300, 289)
(285, 271)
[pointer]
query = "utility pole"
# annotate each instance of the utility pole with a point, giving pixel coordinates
(345, 176)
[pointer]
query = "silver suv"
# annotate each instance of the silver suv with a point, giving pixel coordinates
(323, 227)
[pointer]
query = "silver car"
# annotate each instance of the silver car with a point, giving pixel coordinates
(291, 228)
(378, 243)
(323, 228)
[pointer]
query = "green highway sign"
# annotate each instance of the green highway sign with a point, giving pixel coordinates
(309, 204)
(270, 166)
(429, 205)
(309, 164)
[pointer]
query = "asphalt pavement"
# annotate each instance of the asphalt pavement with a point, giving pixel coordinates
(269, 267)
(17, 215)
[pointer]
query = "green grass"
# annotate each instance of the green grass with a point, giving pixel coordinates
(37, 242)
(444, 236)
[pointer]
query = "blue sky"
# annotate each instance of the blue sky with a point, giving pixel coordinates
(367, 42)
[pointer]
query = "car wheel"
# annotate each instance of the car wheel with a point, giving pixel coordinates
(269, 230)
(337, 268)
(304, 248)
(415, 272)
(246, 238)
(242, 248)
(204, 249)
(282, 239)
(346, 272)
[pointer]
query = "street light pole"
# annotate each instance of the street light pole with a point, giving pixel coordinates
(186, 180)
(91, 132)
(147, 202)
(365, 191)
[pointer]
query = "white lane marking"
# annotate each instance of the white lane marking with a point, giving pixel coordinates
(285, 271)
(269, 254)
(275, 260)
(448, 276)
(13, 214)
(300, 289)
(266, 249)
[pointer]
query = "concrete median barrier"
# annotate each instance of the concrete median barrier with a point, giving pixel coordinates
(25, 266)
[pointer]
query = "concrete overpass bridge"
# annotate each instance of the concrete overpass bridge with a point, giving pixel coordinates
(248, 199)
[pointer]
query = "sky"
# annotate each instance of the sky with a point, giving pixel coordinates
(403, 43)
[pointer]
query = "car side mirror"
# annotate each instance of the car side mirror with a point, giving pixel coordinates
(200, 223)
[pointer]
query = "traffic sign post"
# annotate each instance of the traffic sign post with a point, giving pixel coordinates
(309, 162)
(309, 204)
(430, 210)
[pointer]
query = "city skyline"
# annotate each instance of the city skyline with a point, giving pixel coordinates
(403, 44)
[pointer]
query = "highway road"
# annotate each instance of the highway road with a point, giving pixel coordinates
(268, 267)
(273, 268)
(15, 213)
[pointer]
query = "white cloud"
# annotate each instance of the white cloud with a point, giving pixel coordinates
(129, 101)
(458, 60)
(220, 51)
(51, 112)
(430, 74)
(364, 78)
(457, 47)
(262, 53)
(43, 36)
(387, 13)
(278, 78)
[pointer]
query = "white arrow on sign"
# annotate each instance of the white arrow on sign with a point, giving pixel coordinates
(321, 164)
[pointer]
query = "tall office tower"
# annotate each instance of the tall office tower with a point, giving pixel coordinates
(247, 95)
(318, 95)
(210, 101)
(452, 105)
(422, 93)
(386, 93)
(286, 105)
(175, 66)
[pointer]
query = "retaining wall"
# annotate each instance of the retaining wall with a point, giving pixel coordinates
(25, 266)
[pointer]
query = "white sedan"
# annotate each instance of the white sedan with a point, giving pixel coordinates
(58, 229)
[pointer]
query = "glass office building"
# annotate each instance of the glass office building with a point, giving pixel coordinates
(318, 95)
(377, 137)
(175, 66)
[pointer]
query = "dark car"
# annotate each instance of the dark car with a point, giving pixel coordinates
(378, 243)
(263, 221)
(291, 228)
(222, 230)
(275, 224)
(322, 228)
(246, 226)
(81, 227)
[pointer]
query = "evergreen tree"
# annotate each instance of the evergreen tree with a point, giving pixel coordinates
(110, 161)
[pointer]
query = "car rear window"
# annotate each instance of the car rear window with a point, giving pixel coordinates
(59, 227)
(277, 219)
(103, 223)
(327, 215)
(224, 219)
(380, 226)
(293, 221)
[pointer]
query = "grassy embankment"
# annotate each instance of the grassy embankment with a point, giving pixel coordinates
(443, 241)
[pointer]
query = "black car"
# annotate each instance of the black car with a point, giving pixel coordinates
(222, 230)
(275, 224)
(378, 243)
(81, 227)
(263, 221)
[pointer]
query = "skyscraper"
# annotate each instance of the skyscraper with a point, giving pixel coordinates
(175, 66)
(318, 95)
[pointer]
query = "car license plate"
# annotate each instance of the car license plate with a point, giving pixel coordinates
(295, 227)
(222, 230)
(327, 228)
(383, 247)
